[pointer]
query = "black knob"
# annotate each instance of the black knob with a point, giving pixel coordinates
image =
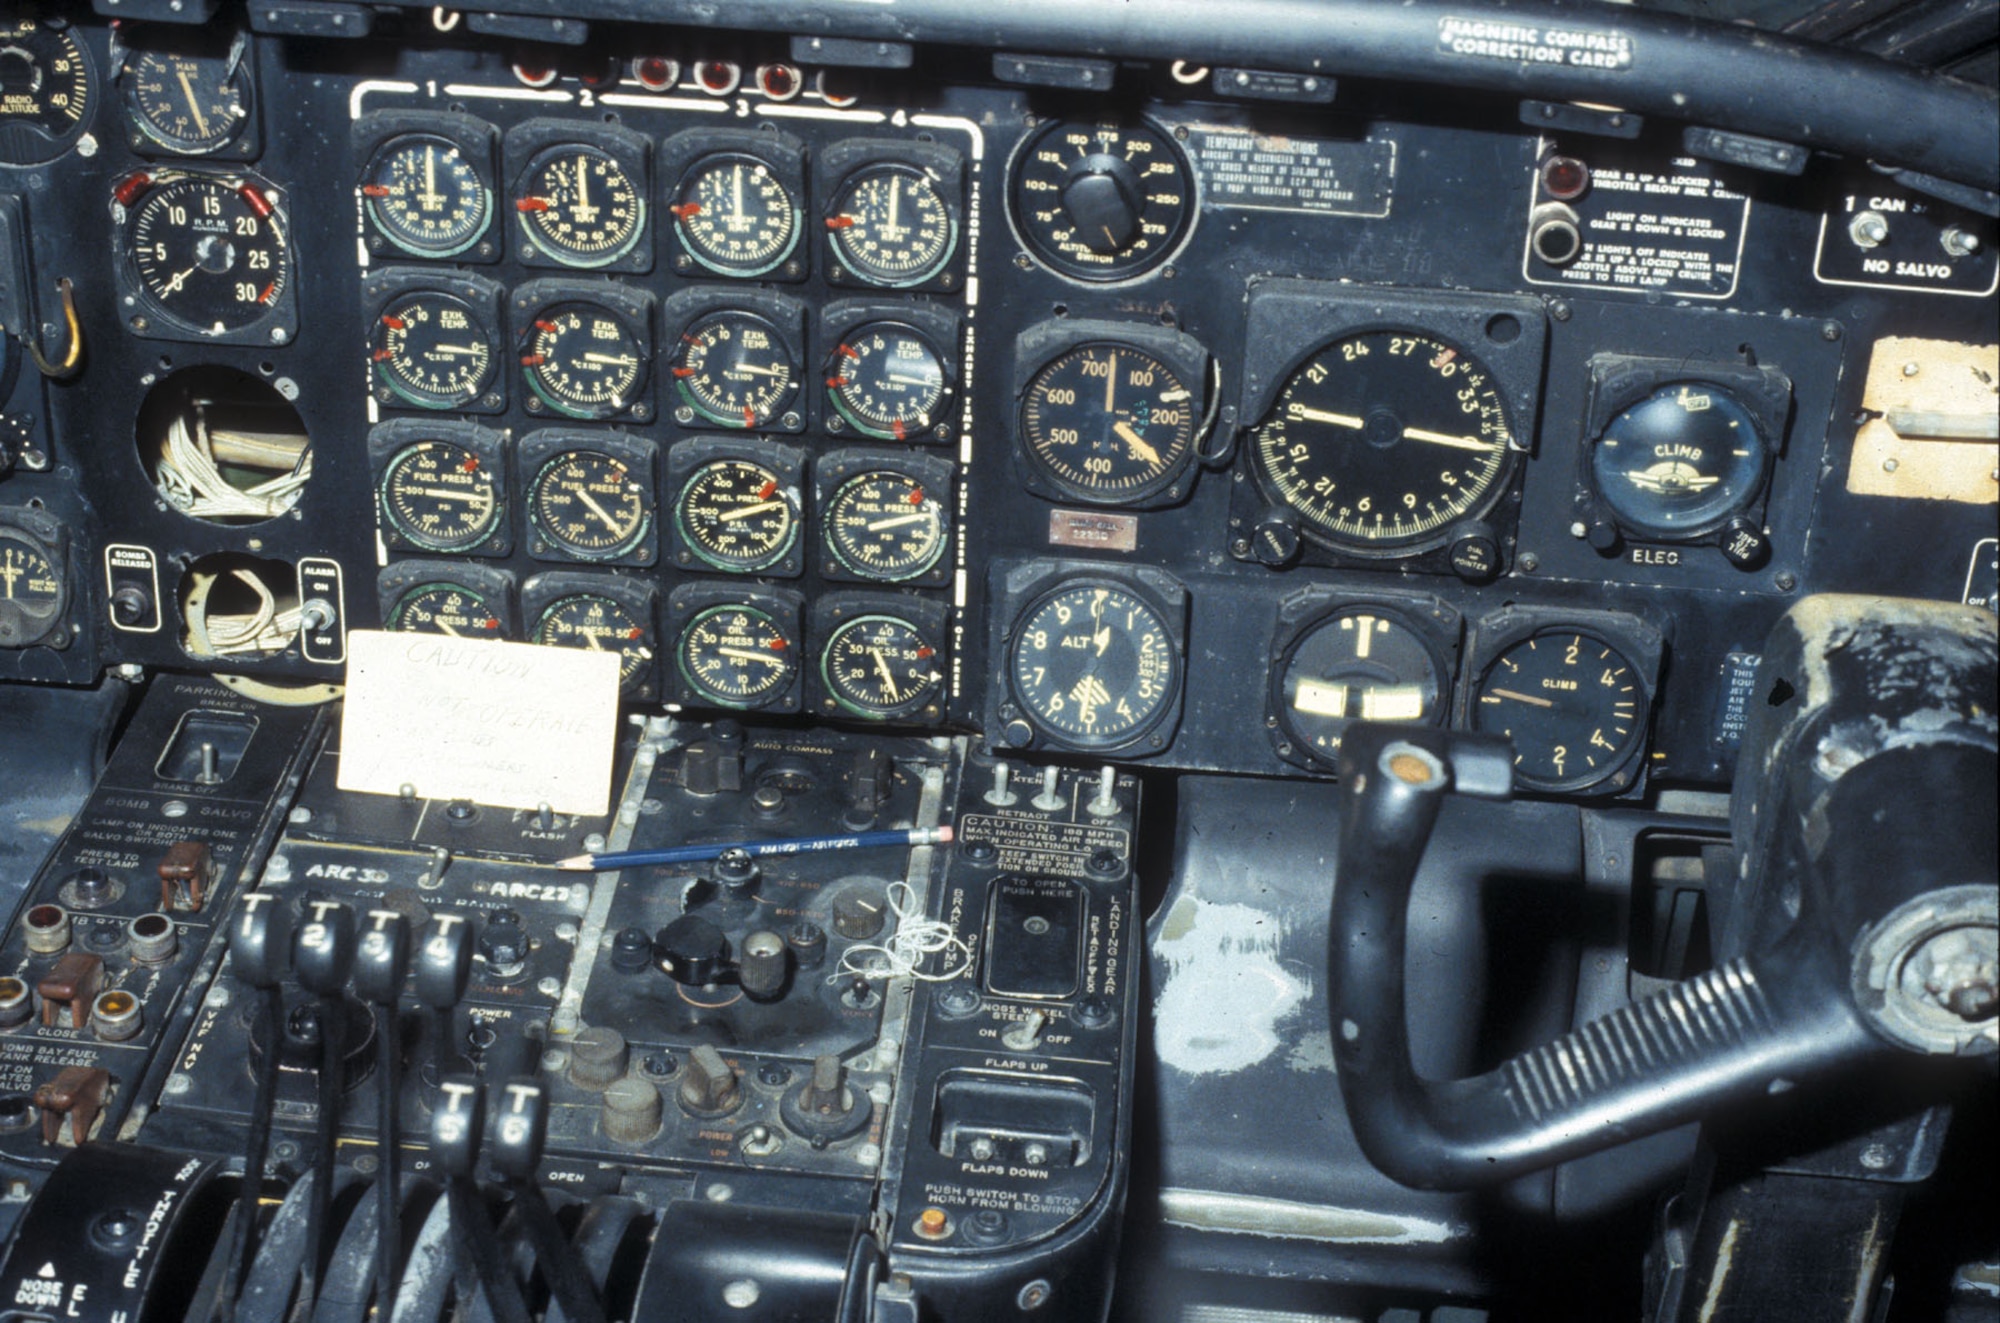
(699, 774)
(1104, 195)
(737, 871)
(323, 949)
(1746, 545)
(131, 605)
(520, 1124)
(691, 950)
(1275, 540)
(867, 789)
(444, 962)
(1475, 553)
(859, 914)
(631, 950)
(808, 942)
(382, 960)
(1603, 536)
(503, 944)
(763, 966)
(457, 1125)
(260, 941)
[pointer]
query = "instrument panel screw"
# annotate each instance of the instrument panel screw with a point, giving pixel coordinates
(1787, 581)
(1829, 331)
(1530, 562)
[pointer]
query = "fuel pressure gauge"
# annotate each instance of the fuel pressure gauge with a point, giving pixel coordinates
(886, 525)
(737, 514)
(587, 504)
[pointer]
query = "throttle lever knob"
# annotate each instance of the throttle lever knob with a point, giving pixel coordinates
(382, 960)
(260, 940)
(323, 949)
(520, 1127)
(444, 962)
(457, 1125)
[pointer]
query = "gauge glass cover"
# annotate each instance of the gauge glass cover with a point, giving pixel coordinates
(735, 216)
(883, 525)
(1108, 423)
(432, 350)
(1572, 704)
(185, 102)
(733, 368)
(1679, 462)
(1101, 201)
(440, 497)
(583, 360)
(891, 227)
(426, 197)
(880, 666)
(445, 608)
(209, 252)
(886, 381)
(736, 515)
(581, 206)
(1093, 665)
(737, 656)
(597, 623)
(590, 505)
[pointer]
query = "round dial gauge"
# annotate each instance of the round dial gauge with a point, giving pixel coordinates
(1361, 663)
(737, 656)
(1679, 462)
(1093, 664)
(733, 368)
(1572, 704)
(599, 624)
(445, 608)
(31, 592)
(209, 252)
(187, 103)
(580, 206)
(432, 350)
(1108, 423)
(590, 505)
(1380, 441)
(735, 216)
(1101, 201)
(438, 496)
(584, 360)
(45, 90)
(886, 380)
(883, 525)
(736, 515)
(890, 226)
(425, 196)
(880, 667)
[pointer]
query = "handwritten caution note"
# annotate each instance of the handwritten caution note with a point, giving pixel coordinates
(507, 724)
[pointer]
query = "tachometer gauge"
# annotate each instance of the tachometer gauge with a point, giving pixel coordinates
(1361, 663)
(32, 591)
(584, 360)
(46, 93)
(1680, 462)
(883, 525)
(1108, 423)
(1101, 201)
(886, 381)
(1573, 705)
(580, 206)
(733, 369)
(1092, 664)
(433, 350)
(209, 251)
(735, 216)
(439, 496)
(879, 667)
(736, 515)
(600, 624)
(1382, 440)
(445, 608)
(891, 227)
(590, 505)
(737, 656)
(187, 103)
(425, 196)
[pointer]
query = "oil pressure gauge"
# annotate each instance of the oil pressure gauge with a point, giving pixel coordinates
(740, 655)
(579, 613)
(880, 667)
(445, 607)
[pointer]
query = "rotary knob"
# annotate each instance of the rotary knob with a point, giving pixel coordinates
(1104, 195)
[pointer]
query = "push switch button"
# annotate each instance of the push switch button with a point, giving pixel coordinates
(1034, 930)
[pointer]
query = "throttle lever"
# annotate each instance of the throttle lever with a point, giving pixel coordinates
(260, 944)
(518, 1134)
(322, 957)
(458, 1125)
(380, 966)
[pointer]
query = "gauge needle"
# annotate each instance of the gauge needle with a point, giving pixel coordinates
(750, 654)
(10, 572)
(1444, 439)
(745, 511)
(585, 212)
(1137, 442)
(893, 230)
(459, 349)
(738, 220)
(1520, 697)
(431, 198)
(174, 286)
(756, 370)
(898, 521)
(1111, 383)
(442, 624)
(589, 503)
(1309, 415)
(888, 680)
(590, 641)
(200, 122)
(611, 360)
(447, 494)
(902, 380)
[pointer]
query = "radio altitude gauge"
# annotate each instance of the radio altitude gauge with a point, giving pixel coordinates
(732, 368)
(879, 667)
(584, 360)
(883, 525)
(736, 515)
(1101, 201)
(1382, 440)
(1573, 705)
(1093, 665)
(737, 656)
(891, 227)
(590, 505)
(886, 381)
(735, 216)
(445, 608)
(438, 496)
(209, 250)
(45, 90)
(580, 206)
(1108, 423)
(599, 624)
(425, 196)
(187, 103)
(432, 350)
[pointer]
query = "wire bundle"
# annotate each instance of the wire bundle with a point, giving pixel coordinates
(190, 477)
(902, 954)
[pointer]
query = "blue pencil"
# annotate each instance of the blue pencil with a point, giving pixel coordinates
(689, 854)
